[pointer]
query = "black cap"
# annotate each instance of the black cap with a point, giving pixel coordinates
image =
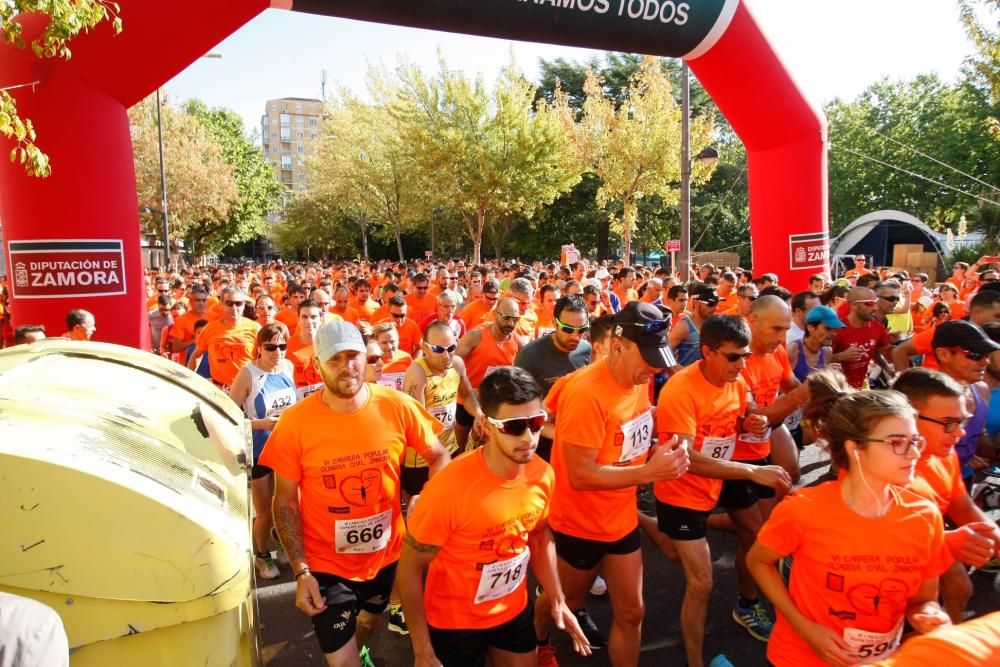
(963, 334)
(646, 325)
(705, 294)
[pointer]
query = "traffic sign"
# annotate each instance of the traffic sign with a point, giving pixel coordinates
(673, 245)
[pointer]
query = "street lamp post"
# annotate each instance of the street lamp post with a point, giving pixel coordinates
(707, 156)
(165, 228)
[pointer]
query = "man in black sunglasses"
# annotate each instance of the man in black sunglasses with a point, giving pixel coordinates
(563, 351)
(962, 351)
(482, 560)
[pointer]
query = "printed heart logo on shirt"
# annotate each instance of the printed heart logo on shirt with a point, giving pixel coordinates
(884, 600)
(362, 490)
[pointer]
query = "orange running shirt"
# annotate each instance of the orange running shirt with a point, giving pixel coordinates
(229, 348)
(347, 468)
(972, 643)
(488, 354)
(482, 523)
(691, 404)
(348, 315)
(307, 380)
(939, 479)
(417, 308)
(593, 411)
(393, 372)
(852, 574)
(365, 310)
(183, 328)
(289, 318)
(475, 313)
(922, 344)
(764, 374)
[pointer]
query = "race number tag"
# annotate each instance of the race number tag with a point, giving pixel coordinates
(794, 420)
(503, 577)
(638, 434)
(719, 448)
(363, 536)
(872, 646)
(444, 414)
(276, 401)
(309, 390)
(392, 381)
(746, 437)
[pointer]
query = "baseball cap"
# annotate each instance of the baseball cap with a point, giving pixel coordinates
(602, 274)
(963, 334)
(646, 326)
(705, 294)
(824, 315)
(335, 337)
(592, 282)
(925, 301)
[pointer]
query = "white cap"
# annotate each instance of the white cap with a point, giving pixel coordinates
(592, 282)
(602, 274)
(334, 337)
(925, 301)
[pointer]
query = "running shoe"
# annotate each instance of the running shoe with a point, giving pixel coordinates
(720, 661)
(755, 620)
(590, 631)
(599, 587)
(397, 620)
(547, 656)
(266, 567)
(986, 496)
(365, 657)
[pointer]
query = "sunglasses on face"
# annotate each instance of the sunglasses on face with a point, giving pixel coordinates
(163, 291)
(890, 299)
(233, 304)
(971, 356)
(518, 425)
(902, 444)
(398, 316)
(372, 359)
(867, 302)
(748, 296)
(565, 328)
(656, 326)
(733, 357)
(508, 318)
(438, 349)
(947, 425)
(274, 347)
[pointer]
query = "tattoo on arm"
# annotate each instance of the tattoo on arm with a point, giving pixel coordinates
(419, 547)
(288, 522)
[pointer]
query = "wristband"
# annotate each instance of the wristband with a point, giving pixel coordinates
(304, 571)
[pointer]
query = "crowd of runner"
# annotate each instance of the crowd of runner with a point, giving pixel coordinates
(425, 434)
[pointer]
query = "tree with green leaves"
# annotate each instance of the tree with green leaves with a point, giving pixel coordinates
(258, 192)
(67, 19)
(486, 155)
(314, 227)
(633, 147)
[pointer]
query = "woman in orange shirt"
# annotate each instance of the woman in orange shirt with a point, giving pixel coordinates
(867, 552)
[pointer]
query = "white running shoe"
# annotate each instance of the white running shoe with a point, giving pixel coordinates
(266, 567)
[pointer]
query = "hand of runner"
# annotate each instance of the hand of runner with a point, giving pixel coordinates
(669, 460)
(476, 435)
(928, 617)
(307, 596)
(852, 353)
(974, 543)
(978, 462)
(266, 423)
(566, 620)
(828, 645)
(775, 477)
(756, 425)
(802, 393)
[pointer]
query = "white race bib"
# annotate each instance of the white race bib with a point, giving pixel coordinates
(719, 448)
(872, 646)
(503, 577)
(276, 401)
(363, 536)
(444, 414)
(309, 390)
(746, 437)
(392, 380)
(638, 436)
(794, 420)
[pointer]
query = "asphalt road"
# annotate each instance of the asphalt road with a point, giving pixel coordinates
(287, 637)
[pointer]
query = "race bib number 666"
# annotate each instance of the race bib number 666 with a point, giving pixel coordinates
(363, 536)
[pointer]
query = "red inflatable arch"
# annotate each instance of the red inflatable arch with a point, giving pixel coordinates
(72, 240)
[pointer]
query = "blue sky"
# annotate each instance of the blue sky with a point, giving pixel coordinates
(833, 47)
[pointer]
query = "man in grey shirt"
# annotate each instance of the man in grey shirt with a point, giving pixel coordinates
(159, 319)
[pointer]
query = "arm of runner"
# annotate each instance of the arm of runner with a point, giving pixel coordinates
(288, 523)
(827, 644)
(470, 398)
(771, 475)
(795, 395)
(923, 612)
(469, 342)
(413, 560)
(850, 353)
(677, 334)
(437, 457)
(239, 391)
(543, 564)
(414, 383)
(669, 461)
(195, 359)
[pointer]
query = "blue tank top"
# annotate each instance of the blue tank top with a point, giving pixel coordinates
(966, 447)
(993, 417)
(802, 368)
(689, 349)
(270, 394)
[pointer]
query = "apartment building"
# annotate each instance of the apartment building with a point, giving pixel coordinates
(288, 130)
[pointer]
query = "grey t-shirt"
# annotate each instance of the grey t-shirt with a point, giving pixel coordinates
(547, 363)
